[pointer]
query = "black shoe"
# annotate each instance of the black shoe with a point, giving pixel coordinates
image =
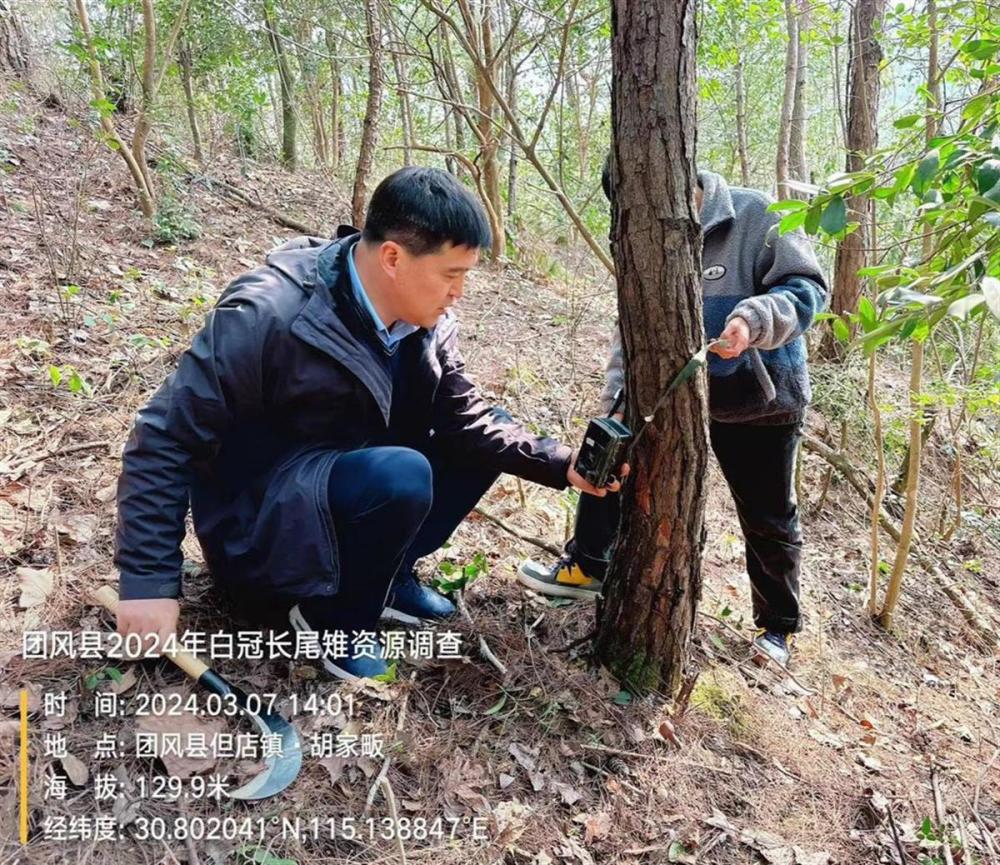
(411, 603)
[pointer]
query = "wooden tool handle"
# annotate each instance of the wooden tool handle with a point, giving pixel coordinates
(107, 597)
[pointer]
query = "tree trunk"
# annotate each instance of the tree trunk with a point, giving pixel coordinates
(184, 56)
(405, 115)
(512, 163)
(13, 50)
(782, 163)
(916, 357)
(797, 133)
(143, 191)
(287, 81)
(864, 57)
(369, 129)
(487, 133)
(741, 123)
(309, 72)
(336, 96)
(655, 580)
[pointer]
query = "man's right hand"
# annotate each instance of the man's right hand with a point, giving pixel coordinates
(157, 616)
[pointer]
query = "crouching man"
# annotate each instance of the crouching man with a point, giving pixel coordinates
(323, 428)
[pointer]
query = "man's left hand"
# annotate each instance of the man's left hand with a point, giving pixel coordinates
(734, 340)
(583, 485)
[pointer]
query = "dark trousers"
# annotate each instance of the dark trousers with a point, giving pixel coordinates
(758, 463)
(390, 505)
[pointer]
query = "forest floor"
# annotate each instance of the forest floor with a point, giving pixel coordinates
(877, 740)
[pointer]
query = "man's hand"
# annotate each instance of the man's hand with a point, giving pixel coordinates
(156, 616)
(579, 482)
(734, 340)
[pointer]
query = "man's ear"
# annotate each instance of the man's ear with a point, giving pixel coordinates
(389, 254)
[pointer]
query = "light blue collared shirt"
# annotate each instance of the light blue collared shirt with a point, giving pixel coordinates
(390, 337)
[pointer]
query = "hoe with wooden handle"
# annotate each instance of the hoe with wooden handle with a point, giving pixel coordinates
(281, 767)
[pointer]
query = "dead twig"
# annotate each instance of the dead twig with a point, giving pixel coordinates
(895, 835)
(381, 780)
(484, 648)
(517, 533)
(939, 811)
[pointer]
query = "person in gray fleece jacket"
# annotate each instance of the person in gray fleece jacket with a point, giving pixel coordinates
(762, 291)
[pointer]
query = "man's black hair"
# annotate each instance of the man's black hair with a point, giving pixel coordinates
(424, 208)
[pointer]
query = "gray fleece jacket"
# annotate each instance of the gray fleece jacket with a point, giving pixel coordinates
(772, 281)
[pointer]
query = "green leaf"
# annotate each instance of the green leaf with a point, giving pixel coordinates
(497, 706)
(623, 698)
(389, 676)
(103, 107)
(792, 221)
(841, 330)
(981, 49)
(55, 375)
(834, 218)
(790, 204)
(925, 172)
(813, 217)
(262, 856)
(867, 314)
(907, 121)
(114, 673)
(987, 176)
(991, 291)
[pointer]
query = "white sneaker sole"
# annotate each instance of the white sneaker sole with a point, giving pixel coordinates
(297, 621)
(404, 618)
(555, 590)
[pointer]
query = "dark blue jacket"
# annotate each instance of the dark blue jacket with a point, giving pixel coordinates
(280, 380)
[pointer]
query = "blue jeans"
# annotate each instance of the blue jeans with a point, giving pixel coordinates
(391, 505)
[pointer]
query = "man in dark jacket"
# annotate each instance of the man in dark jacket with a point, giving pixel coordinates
(761, 292)
(323, 428)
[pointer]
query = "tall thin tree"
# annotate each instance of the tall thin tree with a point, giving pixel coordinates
(369, 128)
(864, 60)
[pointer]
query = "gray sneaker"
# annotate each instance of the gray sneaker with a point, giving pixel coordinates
(564, 579)
(772, 645)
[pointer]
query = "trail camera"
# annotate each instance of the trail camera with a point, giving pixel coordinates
(603, 452)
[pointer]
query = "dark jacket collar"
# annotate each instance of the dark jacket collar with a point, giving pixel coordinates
(716, 201)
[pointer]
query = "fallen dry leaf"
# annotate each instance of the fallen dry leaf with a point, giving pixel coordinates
(79, 527)
(36, 585)
(78, 773)
(595, 826)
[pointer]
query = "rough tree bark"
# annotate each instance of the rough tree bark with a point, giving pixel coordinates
(782, 161)
(287, 80)
(741, 123)
(864, 57)
(336, 137)
(655, 580)
(13, 50)
(369, 128)
(184, 58)
(405, 112)
(797, 131)
(482, 39)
